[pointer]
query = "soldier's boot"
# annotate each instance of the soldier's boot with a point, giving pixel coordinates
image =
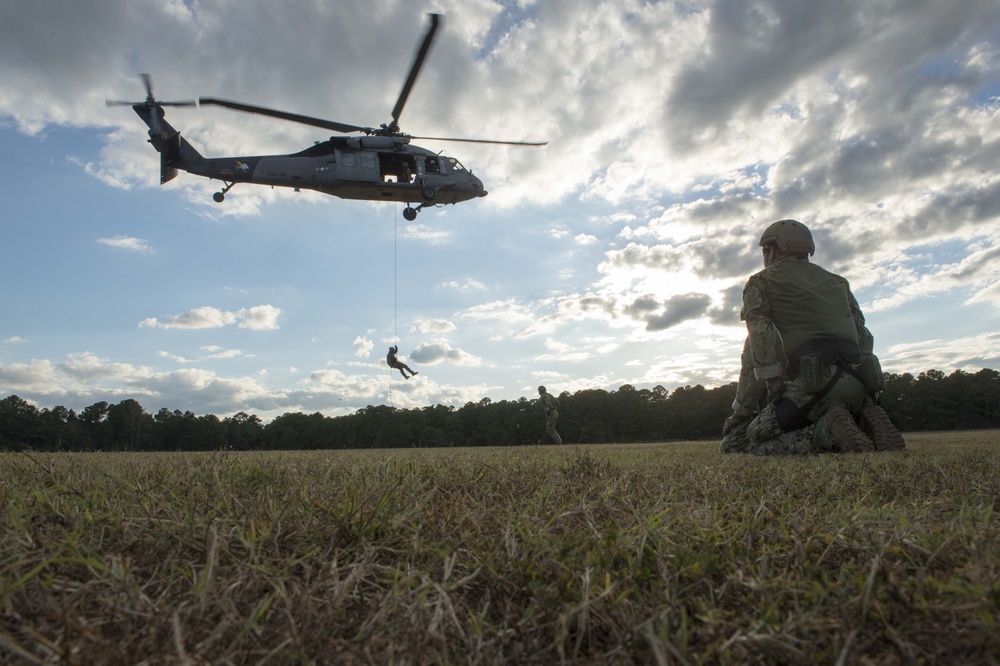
(877, 425)
(844, 432)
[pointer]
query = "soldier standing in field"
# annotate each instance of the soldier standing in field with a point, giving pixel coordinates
(808, 379)
(551, 407)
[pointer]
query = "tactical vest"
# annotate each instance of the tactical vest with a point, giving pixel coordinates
(808, 303)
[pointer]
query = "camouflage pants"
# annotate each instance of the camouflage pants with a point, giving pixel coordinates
(763, 436)
(550, 426)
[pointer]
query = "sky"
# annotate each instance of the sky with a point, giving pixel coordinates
(616, 254)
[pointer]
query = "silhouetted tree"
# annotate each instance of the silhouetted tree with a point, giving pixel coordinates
(929, 401)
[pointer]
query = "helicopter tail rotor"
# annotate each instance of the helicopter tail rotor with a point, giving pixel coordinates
(150, 100)
(154, 105)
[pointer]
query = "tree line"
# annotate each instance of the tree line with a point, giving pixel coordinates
(929, 401)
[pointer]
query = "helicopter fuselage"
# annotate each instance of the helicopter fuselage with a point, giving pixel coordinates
(367, 168)
(370, 168)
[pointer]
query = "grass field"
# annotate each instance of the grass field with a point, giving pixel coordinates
(656, 553)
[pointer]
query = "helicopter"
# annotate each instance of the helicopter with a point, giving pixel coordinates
(382, 165)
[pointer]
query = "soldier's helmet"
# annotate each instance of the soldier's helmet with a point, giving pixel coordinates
(541, 389)
(791, 237)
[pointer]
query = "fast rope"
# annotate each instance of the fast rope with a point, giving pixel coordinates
(395, 282)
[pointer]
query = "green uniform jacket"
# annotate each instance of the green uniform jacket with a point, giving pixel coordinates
(786, 305)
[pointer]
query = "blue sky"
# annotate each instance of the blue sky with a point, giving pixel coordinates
(615, 254)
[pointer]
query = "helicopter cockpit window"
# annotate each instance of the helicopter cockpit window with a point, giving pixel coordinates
(455, 164)
(431, 165)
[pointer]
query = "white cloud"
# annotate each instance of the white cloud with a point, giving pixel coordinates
(431, 353)
(126, 243)
(468, 284)
(435, 326)
(506, 311)
(363, 347)
(257, 318)
(422, 232)
(211, 353)
(107, 175)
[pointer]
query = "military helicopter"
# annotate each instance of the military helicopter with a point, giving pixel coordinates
(381, 166)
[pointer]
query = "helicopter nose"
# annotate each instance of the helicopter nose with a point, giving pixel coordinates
(470, 188)
(479, 189)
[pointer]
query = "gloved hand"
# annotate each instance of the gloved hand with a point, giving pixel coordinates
(735, 419)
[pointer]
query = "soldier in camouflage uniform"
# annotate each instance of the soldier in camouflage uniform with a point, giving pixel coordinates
(551, 407)
(394, 362)
(808, 376)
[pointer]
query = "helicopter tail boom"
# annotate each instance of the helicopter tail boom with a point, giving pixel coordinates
(175, 152)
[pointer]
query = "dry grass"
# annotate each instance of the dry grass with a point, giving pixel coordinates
(665, 553)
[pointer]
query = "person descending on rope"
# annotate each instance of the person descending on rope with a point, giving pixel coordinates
(394, 362)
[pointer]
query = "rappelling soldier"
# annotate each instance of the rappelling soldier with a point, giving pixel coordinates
(394, 362)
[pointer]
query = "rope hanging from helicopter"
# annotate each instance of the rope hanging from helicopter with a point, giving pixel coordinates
(395, 283)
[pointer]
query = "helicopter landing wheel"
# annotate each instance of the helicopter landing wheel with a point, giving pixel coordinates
(221, 196)
(428, 193)
(409, 214)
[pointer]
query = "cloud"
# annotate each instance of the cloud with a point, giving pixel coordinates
(971, 353)
(259, 318)
(426, 234)
(575, 307)
(435, 326)
(363, 347)
(508, 310)
(88, 367)
(466, 284)
(211, 353)
(563, 352)
(676, 310)
(38, 377)
(108, 175)
(256, 318)
(431, 353)
(126, 243)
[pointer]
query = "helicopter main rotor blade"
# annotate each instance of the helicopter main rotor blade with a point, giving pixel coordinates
(284, 115)
(118, 102)
(504, 143)
(418, 62)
